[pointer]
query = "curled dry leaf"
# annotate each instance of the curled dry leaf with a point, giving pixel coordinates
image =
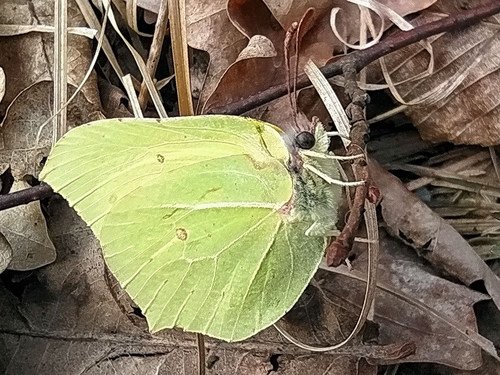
(224, 27)
(254, 61)
(270, 18)
(429, 234)
(254, 71)
(317, 42)
(470, 113)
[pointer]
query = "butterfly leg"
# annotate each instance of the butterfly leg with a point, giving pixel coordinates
(321, 155)
(316, 230)
(332, 180)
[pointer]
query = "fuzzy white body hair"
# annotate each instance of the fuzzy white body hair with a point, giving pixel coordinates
(315, 199)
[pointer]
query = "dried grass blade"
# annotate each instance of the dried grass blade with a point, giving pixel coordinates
(330, 100)
(155, 96)
(12, 30)
(132, 96)
(177, 16)
(59, 122)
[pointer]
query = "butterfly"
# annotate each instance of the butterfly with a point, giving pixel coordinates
(213, 224)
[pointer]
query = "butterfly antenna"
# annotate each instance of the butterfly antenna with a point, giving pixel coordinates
(306, 17)
(294, 32)
(290, 33)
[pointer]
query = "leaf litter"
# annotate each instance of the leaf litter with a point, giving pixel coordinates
(76, 295)
(413, 305)
(466, 62)
(433, 238)
(25, 103)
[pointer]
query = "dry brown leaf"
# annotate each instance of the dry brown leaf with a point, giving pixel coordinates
(244, 80)
(489, 367)
(471, 113)
(412, 306)
(252, 72)
(27, 59)
(223, 33)
(209, 29)
(24, 226)
(429, 234)
(25, 230)
(247, 65)
(19, 149)
(113, 100)
(318, 42)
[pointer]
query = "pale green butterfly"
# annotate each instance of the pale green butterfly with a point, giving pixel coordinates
(211, 223)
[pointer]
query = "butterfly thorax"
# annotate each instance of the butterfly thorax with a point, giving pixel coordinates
(314, 199)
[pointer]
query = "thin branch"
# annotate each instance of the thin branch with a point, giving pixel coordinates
(338, 250)
(200, 343)
(362, 58)
(25, 196)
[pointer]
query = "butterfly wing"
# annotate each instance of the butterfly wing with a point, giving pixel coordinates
(188, 213)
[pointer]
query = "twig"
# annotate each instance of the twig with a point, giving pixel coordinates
(25, 196)
(154, 52)
(360, 59)
(357, 59)
(200, 343)
(339, 249)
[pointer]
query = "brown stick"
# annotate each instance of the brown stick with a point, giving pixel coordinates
(25, 196)
(339, 249)
(362, 58)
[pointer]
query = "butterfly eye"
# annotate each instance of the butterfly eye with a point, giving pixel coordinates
(305, 140)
